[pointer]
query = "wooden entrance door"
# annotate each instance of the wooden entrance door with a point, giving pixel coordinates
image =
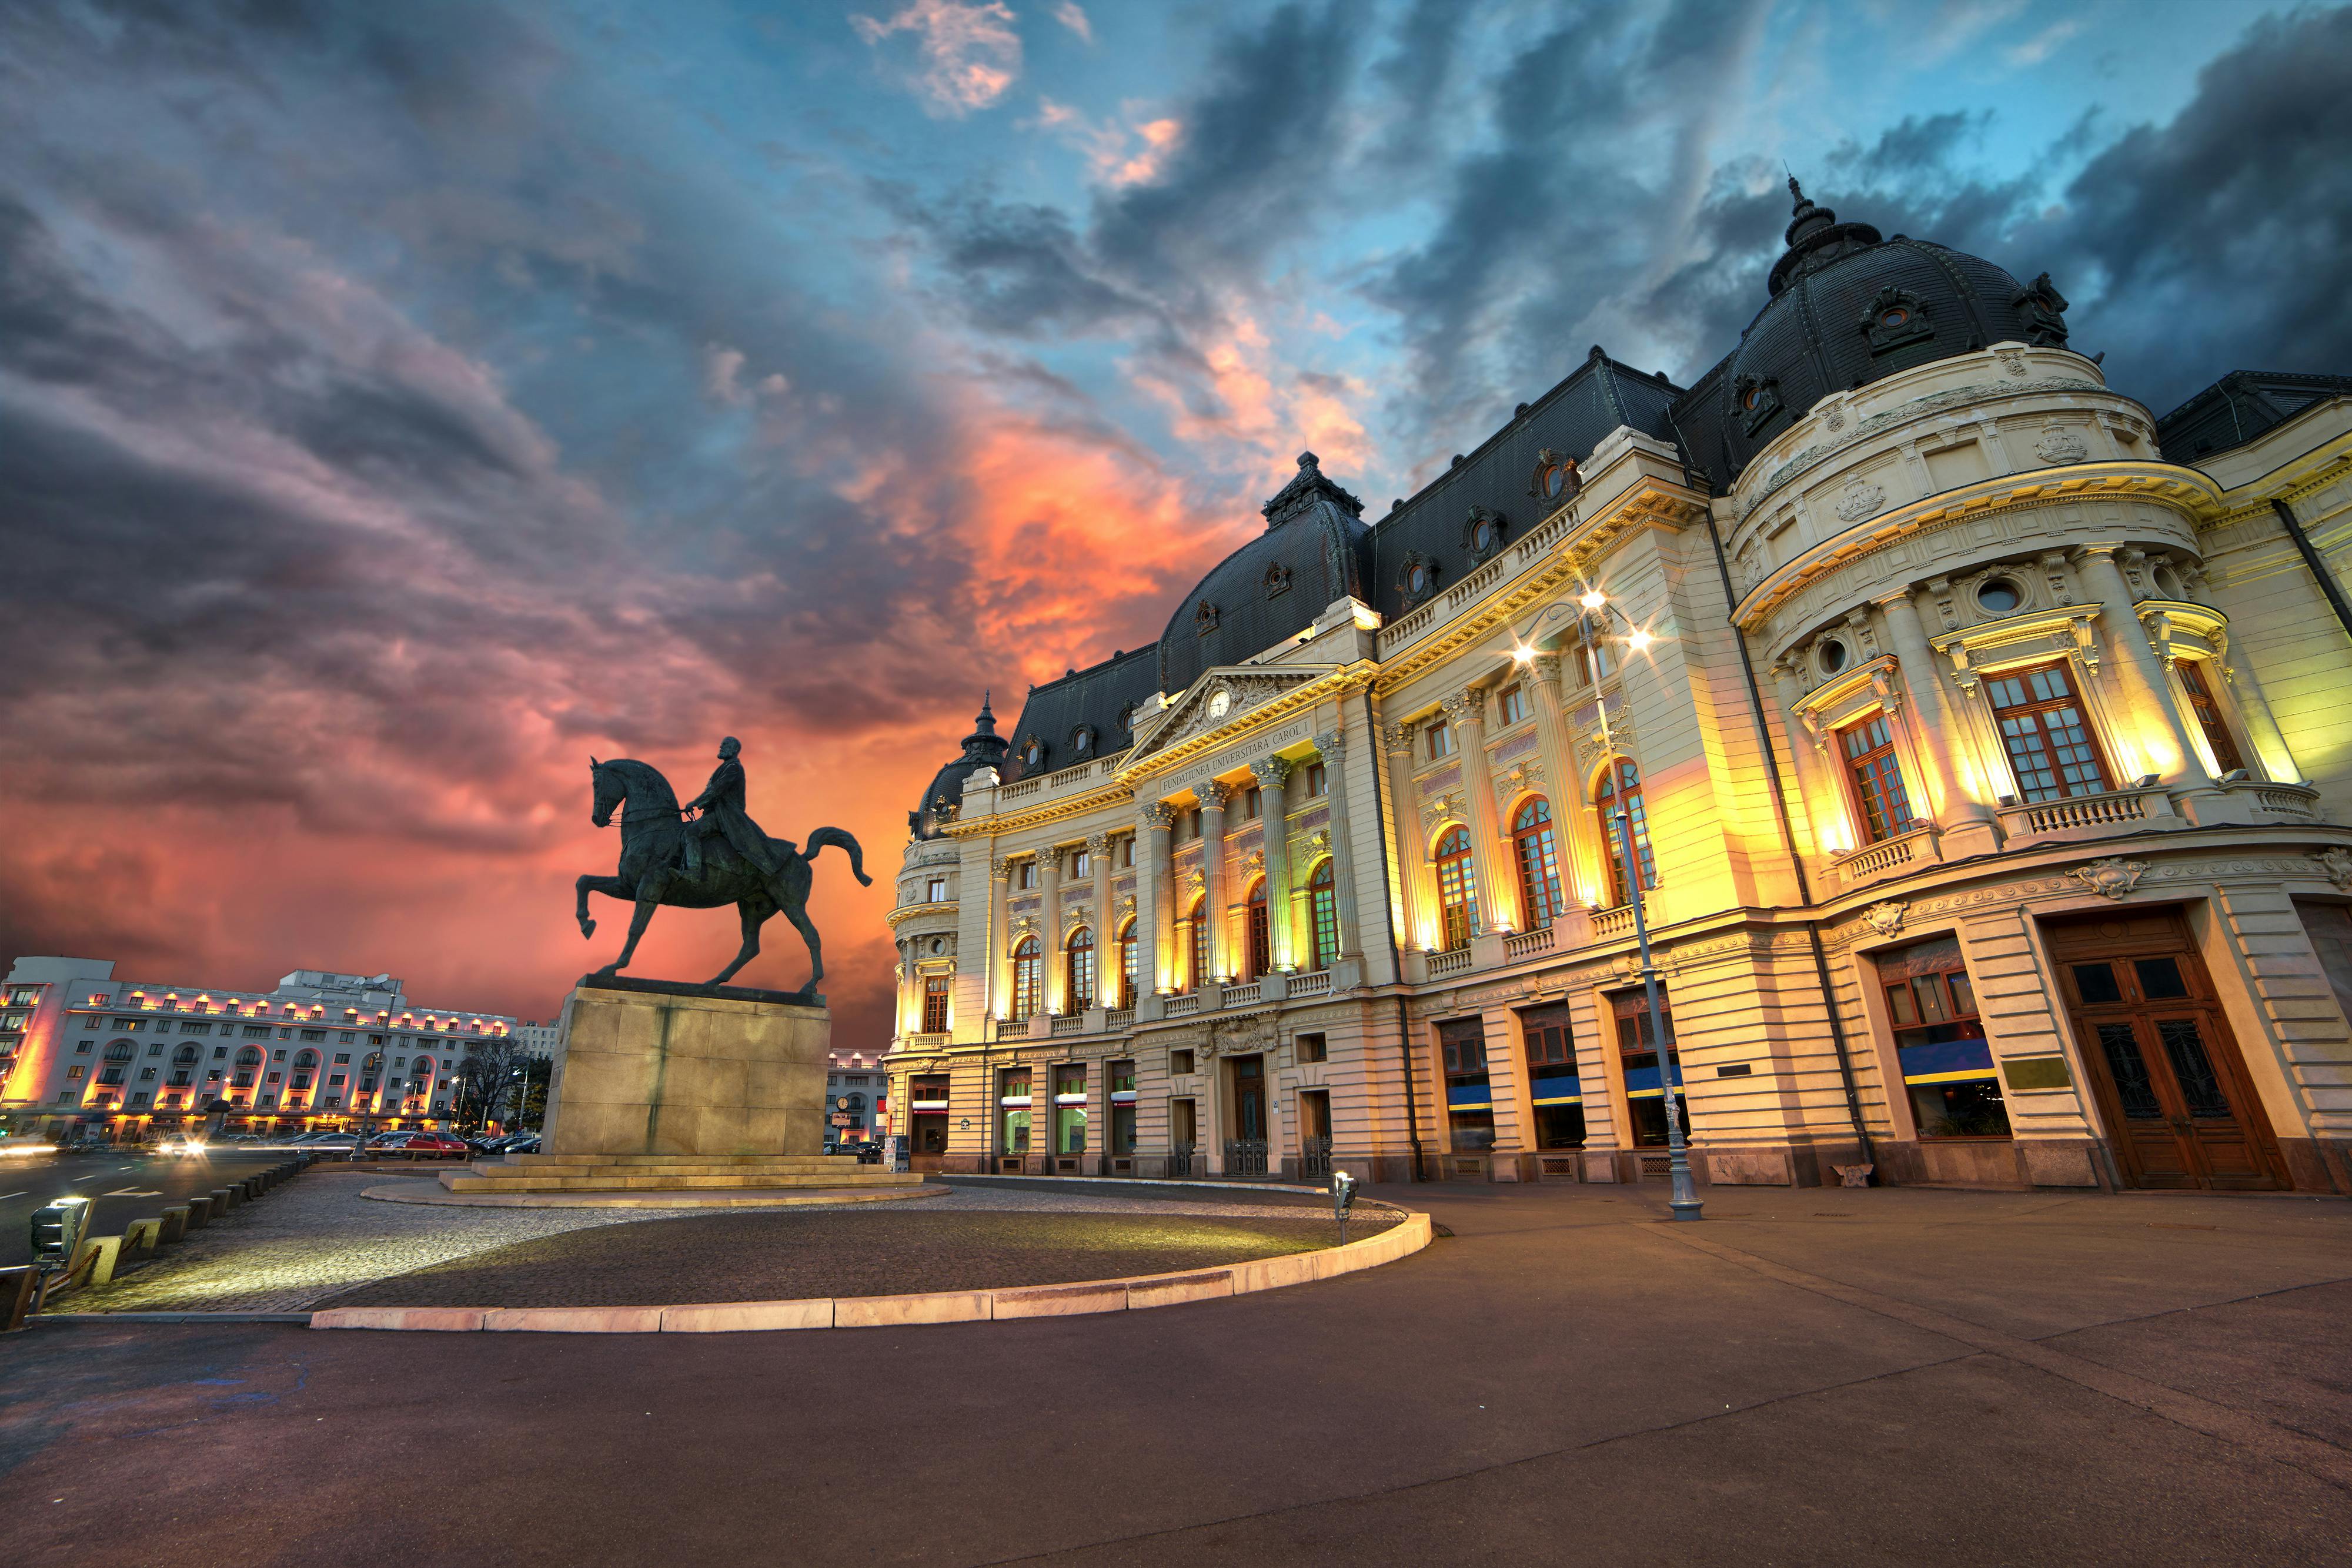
(2171, 1086)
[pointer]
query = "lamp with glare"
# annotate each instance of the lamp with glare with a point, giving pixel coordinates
(1638, 639)
(1523, 654)
(1593, 600)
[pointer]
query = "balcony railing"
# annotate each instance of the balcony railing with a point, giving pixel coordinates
(1453, 961)
(1069, 1023)
(1607, 924)
(2297, 803)
(1521, 945)
(1119, 1018)
(1871, 860)
(1313, 983)
(1184, 1005)
(1244, 994)
(2078, 811)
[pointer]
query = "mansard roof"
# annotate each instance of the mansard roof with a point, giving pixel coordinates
(1094, 699)
(2239, 407)
(1502, 474)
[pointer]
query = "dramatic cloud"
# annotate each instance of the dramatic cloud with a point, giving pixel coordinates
(401, 403)
(970, 53)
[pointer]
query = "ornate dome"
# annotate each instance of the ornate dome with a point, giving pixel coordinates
(1848, 308)
(1274, 587)
(983, 748)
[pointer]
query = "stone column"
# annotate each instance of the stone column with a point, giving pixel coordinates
(1054, 994)
(1332, 748)
(1155, 900)
(1820, 792)
(1415, 897)
(2162, 735)
(1950, 798)
(1499, 892)
(1105, 922)
(1214, 797)
(1272, 774)
(1000, 945)
(1584, 869)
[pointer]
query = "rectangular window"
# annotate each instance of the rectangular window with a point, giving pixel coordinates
(1593, 663)
(257, 1031)
(1440, 740)
(1127, 852)
(1511, 704)
(2047, 735)
(1070, 1110)
(147, 1074)
(935, 1004)
(343, 1058)
(1025, 874)
(1012, 1110)
(1317, 781)
(335, 1081)
(1637, 1048)
(78, 1070)
(23, 996)
(1082, 864)
(314, 1034)
(1469, 1096)
(1252, 803)
(1881, 803)
(1179, 1063)
(2207, 710)
(936, 891)
(1947, 1067)
(1310, 1047)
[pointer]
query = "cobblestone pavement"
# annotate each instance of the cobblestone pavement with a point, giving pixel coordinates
(316, 1238)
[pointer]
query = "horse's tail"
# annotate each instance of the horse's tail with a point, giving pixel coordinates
(839, 838)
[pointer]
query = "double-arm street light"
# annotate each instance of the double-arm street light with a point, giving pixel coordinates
(1683, 1199)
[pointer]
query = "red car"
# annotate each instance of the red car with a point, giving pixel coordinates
(427, 1146)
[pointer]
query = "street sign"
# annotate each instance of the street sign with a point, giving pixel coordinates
(841, 1118)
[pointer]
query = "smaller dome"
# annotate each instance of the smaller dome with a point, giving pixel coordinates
(983, 748)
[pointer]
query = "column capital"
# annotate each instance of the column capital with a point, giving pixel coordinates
(1213, 795)
(1331, 745)
(1271, 772)
(1001, 867)
(1546, 667)
(1398, 738)
(1160, 814)
(1894, 597)
(1467, 706)
(1098, 846)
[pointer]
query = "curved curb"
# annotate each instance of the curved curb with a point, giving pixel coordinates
(716, 1199)
(1133, 1294)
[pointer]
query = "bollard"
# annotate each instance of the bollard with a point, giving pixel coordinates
(200, 1213)
(251, 1186)
(93, 1262)
(175, 1223)
(225, 1198)
(16, 1287)
(142, 1234)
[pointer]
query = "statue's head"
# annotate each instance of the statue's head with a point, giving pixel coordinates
(729, 747)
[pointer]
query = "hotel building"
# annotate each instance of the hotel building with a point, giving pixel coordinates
(78, 1047)
(1979, 742)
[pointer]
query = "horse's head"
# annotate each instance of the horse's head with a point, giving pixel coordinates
(610, 789)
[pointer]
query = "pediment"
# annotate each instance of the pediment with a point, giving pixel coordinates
(1243, 688)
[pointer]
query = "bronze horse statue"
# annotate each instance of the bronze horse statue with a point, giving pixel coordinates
(652, 873)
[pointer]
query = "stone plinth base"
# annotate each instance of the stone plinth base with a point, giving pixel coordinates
(643, 1072)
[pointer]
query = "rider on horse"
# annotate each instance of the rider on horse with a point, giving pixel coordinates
(721, 808)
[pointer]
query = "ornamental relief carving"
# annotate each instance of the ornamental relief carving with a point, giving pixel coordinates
(2059, 445)
(1522, 778)
(2336, 864)
(1441, 808)
(1861, 499)
(2111, 877)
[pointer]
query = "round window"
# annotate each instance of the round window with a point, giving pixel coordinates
(938, 944)
(2000, 596)
(1482, 537)
(1416, 580)
(1078, 742)
(1831, 656)
(1895, 318)
(1555, 480)
(1034, 756)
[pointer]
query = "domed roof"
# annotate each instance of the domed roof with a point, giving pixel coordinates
(1274, 587)
(983, 748)
(1849, 307)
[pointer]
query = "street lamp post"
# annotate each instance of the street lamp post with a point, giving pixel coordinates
(1683, 1199)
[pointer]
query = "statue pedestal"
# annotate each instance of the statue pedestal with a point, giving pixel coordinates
(651, 1067)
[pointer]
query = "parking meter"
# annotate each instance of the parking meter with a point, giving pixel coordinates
(57, 1232)
(1343, 1197)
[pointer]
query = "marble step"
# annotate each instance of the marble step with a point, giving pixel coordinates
(634, 1180)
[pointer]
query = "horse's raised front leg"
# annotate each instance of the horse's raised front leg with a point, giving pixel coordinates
(648, 896)
(755, 912)
(610, 887)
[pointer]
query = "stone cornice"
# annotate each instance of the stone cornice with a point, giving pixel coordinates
(1306, 695)
(2187, 490)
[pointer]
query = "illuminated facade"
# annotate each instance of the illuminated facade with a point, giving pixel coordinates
(77, 1045)
(1980, 738)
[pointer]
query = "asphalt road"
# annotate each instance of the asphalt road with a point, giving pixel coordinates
(121, 1188)
(1822, 1377)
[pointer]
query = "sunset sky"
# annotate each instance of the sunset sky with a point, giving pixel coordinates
(400, 403)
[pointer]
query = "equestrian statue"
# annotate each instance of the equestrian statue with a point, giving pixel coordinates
(705, 854)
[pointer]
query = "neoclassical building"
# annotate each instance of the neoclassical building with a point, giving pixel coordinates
(1980, 740)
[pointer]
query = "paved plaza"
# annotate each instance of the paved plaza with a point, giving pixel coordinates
(1810, 1376)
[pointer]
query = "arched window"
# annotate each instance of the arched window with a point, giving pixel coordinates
(120, 1051)
(1028, 977)
(1081, 974)
(1620, 787)
(248, 1057)
(856, 1101)
(1539, 857)
(305, 1063)
(1457, 887)
(185, 1057)
(1323, 913)
(1202, 950)
(1126, 965)
(1260, 932)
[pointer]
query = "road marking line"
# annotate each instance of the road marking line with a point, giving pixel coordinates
(4, 1197)
(78, 1180)
(133, 1192)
